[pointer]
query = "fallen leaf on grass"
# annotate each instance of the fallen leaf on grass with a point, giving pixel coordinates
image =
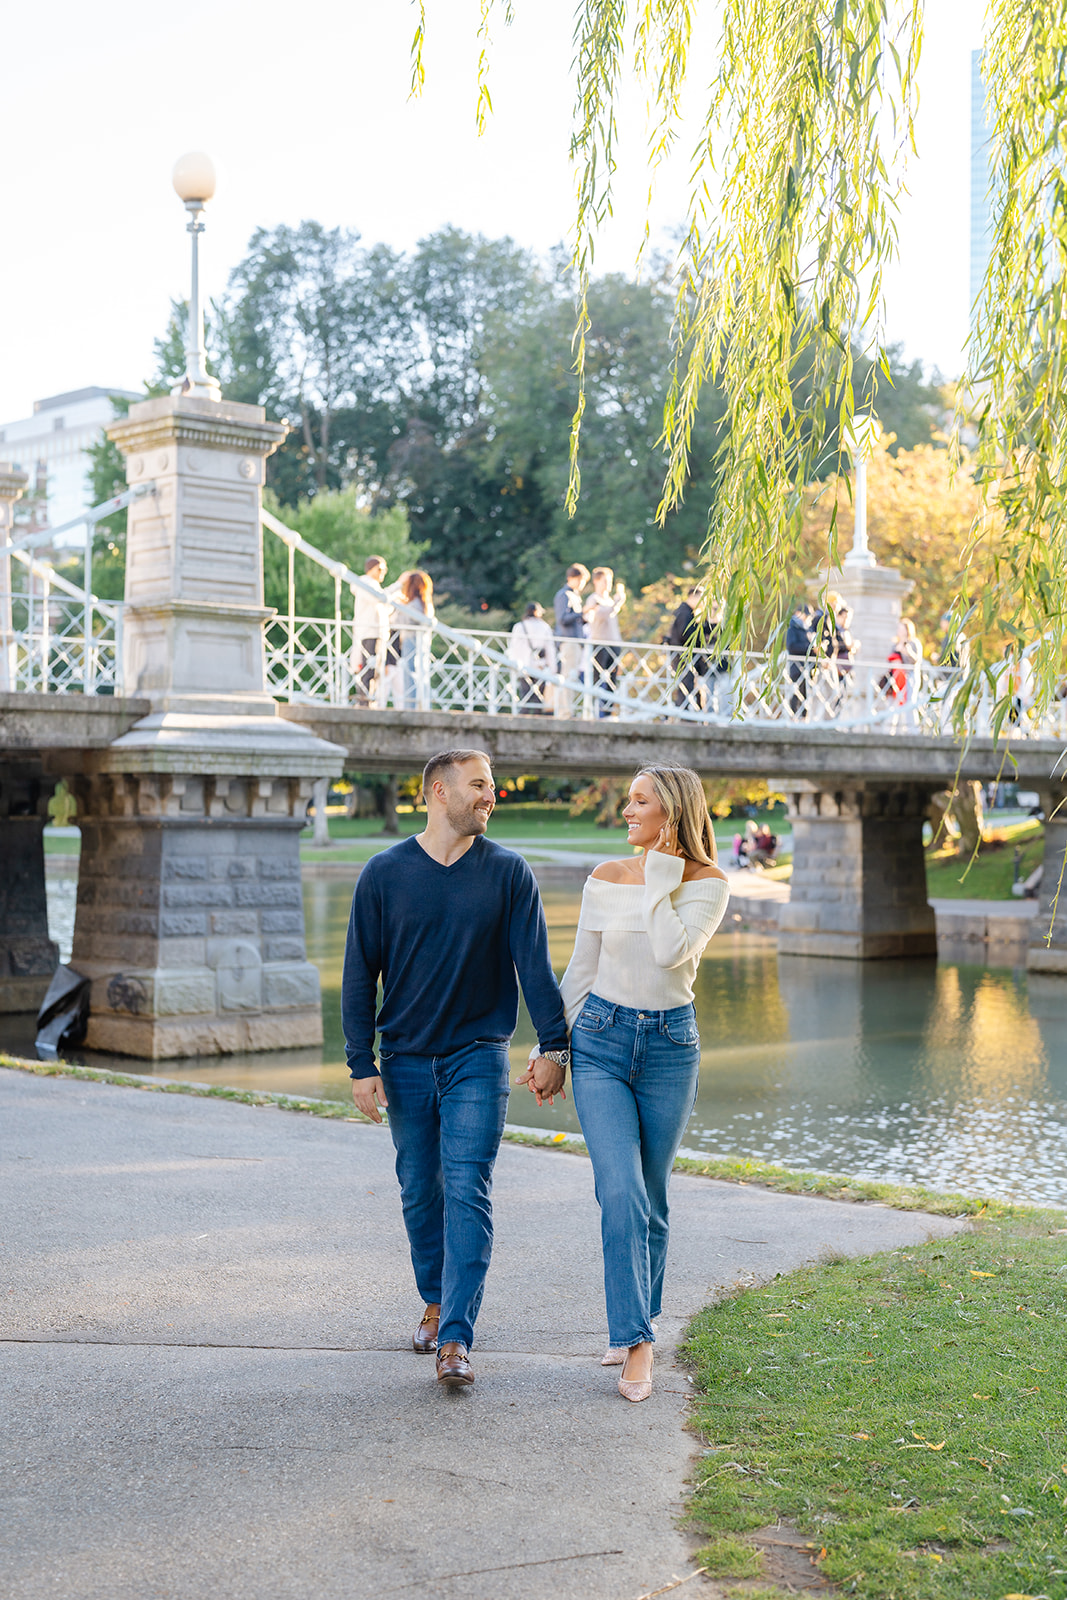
(975, 1274)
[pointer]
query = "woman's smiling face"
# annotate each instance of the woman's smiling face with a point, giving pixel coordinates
(644, 816)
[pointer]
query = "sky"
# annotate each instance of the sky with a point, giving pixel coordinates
(306, 113)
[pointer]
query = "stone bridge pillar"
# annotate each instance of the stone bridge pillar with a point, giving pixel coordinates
(27, 955)
(190, 920)
(859, 878)
(1048, 935)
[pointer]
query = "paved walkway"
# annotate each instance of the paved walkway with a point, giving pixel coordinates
(206, 1390)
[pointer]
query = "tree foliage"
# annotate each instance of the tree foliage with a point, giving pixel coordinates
(105, 478)
(1017, 369)
(791, 222)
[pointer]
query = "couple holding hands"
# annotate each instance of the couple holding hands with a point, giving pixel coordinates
(451, 924)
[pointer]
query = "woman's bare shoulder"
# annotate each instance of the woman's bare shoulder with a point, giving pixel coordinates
(617, 872)
(700, 871)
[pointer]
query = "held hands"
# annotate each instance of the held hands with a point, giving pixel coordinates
(369, 1094)
(544, 1079)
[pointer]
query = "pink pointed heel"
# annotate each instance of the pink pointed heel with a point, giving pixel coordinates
(636, 1390)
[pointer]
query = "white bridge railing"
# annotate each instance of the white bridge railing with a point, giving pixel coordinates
(58, 638)
(309, 659)
(421, 666)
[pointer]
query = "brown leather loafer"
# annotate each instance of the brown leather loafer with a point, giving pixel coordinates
(424, 1339)
(453, 1365)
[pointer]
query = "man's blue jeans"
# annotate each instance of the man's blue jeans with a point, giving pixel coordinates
(635, 1082)
(446, 1116)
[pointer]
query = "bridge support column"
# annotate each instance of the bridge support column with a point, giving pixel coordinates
(859, 879)
(27, 955)
(190, 919)
(1048, 937)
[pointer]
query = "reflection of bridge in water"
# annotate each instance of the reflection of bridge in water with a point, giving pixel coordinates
(192, 724)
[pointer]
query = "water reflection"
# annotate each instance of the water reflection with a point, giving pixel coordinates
(953, 1076)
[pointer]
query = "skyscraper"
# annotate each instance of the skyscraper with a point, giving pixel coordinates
(981, 183)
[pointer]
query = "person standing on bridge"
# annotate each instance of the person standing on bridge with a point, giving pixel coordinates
(636, 1052)
(570, 631)
(447, 920)
(370, 631)
(601, 614)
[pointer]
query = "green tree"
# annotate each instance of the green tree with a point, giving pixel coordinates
(105, 478)
(314, 329)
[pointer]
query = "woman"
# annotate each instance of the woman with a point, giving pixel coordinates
(601, 613)
(902, 679)
(416, 591)
(635, 1051)
(532, 645)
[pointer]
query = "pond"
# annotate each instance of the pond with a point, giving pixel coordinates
(913, 1072)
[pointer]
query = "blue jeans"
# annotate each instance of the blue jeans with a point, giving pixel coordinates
(407, 671)
(634, 1075)
(446, 1117)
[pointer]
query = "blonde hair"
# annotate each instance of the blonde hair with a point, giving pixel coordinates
(681, 794)
(909, 627)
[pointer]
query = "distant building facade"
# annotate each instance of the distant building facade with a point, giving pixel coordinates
(51, 448)
(981, 183)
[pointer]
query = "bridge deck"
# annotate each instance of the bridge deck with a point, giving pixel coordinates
(388, 741)
(55, 726)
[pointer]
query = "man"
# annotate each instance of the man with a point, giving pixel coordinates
(688, 631)
(570, 631)
(445, 919)
(370, 625)
(801, 644)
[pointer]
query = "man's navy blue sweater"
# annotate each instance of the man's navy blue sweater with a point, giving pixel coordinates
(446, 943)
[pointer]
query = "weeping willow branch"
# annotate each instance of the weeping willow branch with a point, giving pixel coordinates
(1017, 369)
(781, 267)
(780, 272)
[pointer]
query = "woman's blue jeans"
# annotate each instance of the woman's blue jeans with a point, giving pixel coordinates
(446, 1117)
(635, 1077)
(407, 671)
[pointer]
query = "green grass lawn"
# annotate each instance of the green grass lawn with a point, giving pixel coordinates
(532, 822)
(904, 1412)
(989, 877)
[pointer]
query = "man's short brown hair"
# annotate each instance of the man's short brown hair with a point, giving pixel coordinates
(443, 762)
(374, 561)
(578, 571)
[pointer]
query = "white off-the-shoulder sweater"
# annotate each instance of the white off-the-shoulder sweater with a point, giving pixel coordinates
(639, 944)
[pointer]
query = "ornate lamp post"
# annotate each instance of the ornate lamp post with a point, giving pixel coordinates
(194, 182)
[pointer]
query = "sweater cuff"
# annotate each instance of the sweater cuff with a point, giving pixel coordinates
(363, 1068)
(662, 870)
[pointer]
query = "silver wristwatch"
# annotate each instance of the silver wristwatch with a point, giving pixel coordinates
(562, 1058)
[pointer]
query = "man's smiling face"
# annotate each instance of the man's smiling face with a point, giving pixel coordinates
(470, 796)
